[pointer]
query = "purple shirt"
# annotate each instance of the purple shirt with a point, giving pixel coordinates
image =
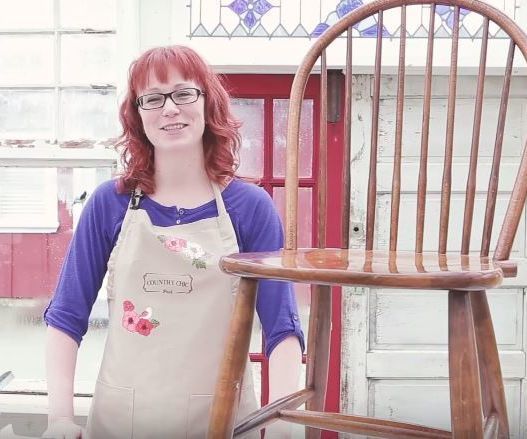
(257, 227)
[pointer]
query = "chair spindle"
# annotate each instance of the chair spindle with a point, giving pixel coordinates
(446, 189)
(396, 180)
(346, 156)
(496, 160)
(476, 130)
(372, 181)
(425, 131)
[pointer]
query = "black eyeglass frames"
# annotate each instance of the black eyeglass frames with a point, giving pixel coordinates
(183, 96)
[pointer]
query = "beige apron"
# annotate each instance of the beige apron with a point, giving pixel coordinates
(169, 311)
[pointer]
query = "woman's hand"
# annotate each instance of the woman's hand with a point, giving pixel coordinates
(64, 428)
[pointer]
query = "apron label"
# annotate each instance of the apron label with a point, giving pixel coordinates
(167, 283)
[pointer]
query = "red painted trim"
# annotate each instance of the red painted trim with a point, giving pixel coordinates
(6, 264)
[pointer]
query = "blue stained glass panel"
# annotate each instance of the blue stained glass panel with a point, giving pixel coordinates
(319, 30)
(265, 18)
(249, 19)
(346, 6)
(262, 7)
(239, 6)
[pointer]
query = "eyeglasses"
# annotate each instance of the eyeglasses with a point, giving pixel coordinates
(182, 96)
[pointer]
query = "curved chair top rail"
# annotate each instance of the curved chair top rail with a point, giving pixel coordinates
(517, 199)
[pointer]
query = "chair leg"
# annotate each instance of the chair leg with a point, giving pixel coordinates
(318, 351)
(465, 393)
(492, 389)
(227, 393)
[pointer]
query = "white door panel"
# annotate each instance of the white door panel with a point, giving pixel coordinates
(394, 342)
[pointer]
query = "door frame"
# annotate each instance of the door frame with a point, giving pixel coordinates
(278, 86)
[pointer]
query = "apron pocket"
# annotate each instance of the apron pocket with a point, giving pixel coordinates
(199, 407)
(111, 412)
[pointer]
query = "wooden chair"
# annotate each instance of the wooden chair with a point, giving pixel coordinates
(477, 398)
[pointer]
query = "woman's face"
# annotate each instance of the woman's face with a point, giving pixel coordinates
(173, 127)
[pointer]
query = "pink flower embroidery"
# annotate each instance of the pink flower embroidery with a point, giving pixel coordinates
(140, 323)
(144, 327)
(128, 306)
(130, 319)
(191, 250)
(176, 244)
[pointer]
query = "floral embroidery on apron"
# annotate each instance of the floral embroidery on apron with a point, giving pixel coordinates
(139, 323)
(191, 250)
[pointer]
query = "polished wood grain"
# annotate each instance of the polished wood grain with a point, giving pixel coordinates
(476, 129)
(492, 389)
(465, 390)
(496, 159)
(236, 355)
(317, 366)
(363, 425)
(271, 412)
(368, 268)
(446, 188)
(396, 178)
(372, 176)
(425, 137)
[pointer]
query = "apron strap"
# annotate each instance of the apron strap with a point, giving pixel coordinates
(222, 211)
(135, 198)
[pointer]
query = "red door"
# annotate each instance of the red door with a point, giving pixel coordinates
(261, 102)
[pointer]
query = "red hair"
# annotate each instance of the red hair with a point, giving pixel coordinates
(221, 138)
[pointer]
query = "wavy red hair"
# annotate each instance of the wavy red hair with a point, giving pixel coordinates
(221, 138)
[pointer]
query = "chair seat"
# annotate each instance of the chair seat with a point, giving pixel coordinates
(375, 268)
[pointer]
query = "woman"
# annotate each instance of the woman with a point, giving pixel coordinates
(169, 303)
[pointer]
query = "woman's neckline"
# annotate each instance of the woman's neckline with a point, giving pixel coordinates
(188, 209)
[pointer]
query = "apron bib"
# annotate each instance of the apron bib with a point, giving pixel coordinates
(169, 312)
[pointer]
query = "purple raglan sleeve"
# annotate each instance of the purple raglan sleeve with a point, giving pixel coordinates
(84, 266)
(276, 303)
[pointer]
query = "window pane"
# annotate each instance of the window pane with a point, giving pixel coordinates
(15, 14)
(28, 198)
(26, 114)
(257, 380)
(280, 108)
(251, 113)
(94, 14)
(26, 59)
(88, 59)
(88, 114)
(256, 336)
(304, 212)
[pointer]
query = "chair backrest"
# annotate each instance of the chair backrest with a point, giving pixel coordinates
(318, 51)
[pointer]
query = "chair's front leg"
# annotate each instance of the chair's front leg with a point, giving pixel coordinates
(318, 351)
(465, 392)
(226, 396)
(489, 364)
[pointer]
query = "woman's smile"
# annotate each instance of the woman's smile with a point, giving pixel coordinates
(174, 128)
